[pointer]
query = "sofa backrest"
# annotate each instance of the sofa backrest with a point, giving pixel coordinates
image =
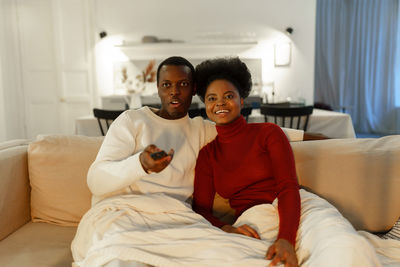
(358, 176)
(14, 186)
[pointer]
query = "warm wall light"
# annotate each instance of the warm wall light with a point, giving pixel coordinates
(282, 54)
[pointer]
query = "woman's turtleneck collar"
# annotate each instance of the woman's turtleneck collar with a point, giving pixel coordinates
(227, 132)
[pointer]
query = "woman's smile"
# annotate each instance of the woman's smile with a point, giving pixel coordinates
(222, 111)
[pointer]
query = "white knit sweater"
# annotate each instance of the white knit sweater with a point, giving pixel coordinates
(117, 169)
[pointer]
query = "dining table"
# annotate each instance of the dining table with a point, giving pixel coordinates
(330, 123)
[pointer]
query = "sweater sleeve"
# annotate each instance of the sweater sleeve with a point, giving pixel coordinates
(204, 190)
(284, 171)
(117, 164)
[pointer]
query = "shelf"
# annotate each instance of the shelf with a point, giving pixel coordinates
(148, 51)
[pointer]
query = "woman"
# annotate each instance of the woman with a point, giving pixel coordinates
(252, 165)
(249, 164)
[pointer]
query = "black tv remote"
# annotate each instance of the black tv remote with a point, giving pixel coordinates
(158, 155)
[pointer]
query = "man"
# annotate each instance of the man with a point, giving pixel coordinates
(124, 165)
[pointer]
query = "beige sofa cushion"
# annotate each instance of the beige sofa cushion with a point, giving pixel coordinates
(361, 177)
(58, 167)
(49, 245)
(14, 187)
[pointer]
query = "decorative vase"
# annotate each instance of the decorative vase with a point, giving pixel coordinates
(136, 101)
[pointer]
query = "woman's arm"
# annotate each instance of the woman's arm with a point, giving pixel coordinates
(281, 155)
(203, 197)
(204, 190)
(284, 171)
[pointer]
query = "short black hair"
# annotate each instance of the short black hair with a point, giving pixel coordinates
(231, 69)
(176, 61)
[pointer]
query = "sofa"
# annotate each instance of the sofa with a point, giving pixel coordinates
(43, 190)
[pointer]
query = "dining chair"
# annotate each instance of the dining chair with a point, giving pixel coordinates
(194, 112)
(246, 111)
(105, 115)
(254, 101)
(299, 114)
(322, 105)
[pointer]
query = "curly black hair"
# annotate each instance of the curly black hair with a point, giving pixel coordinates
(231, 69)
(176, 61)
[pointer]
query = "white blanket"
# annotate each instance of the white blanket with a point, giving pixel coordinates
(162, 231)
(388, 250)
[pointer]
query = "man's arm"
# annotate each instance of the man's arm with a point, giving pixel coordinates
(300, 135)
(117, 164)
(293, 134)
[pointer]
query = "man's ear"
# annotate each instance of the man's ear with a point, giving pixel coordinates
(241, 102)
(194, 90)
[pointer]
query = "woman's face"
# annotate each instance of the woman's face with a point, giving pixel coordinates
(223, 102)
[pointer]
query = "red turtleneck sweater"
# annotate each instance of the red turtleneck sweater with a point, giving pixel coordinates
(249, 164)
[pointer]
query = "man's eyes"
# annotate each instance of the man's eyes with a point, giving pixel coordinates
(181, 84)
(230, 96)
(211, 98)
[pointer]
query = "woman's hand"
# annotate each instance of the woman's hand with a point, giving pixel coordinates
(282, 251)
(151, 165)
(242, 230)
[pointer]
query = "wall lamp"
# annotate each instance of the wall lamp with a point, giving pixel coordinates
(103, 34)
(289, 30)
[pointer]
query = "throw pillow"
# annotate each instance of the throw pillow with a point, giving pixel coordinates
(58, 167)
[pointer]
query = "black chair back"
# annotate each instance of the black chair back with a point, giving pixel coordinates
(194, 112)
(105, 115)
(246, 111)
(293, 113)
(253, 101)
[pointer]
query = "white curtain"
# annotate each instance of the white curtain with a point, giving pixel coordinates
(355, 68)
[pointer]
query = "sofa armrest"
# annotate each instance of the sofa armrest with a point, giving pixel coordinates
(14, 187)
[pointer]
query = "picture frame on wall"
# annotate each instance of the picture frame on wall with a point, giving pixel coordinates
(282, 54)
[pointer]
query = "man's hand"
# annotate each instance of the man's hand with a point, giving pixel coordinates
(314, 136)
(242, 230)
(282, 251)
(151, 165)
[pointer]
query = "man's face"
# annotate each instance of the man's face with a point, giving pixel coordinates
(175, 88)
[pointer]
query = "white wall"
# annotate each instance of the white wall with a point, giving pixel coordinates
(215, 21)
(11, 97)
(46, 66)
(186, 20)
(2, 110)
